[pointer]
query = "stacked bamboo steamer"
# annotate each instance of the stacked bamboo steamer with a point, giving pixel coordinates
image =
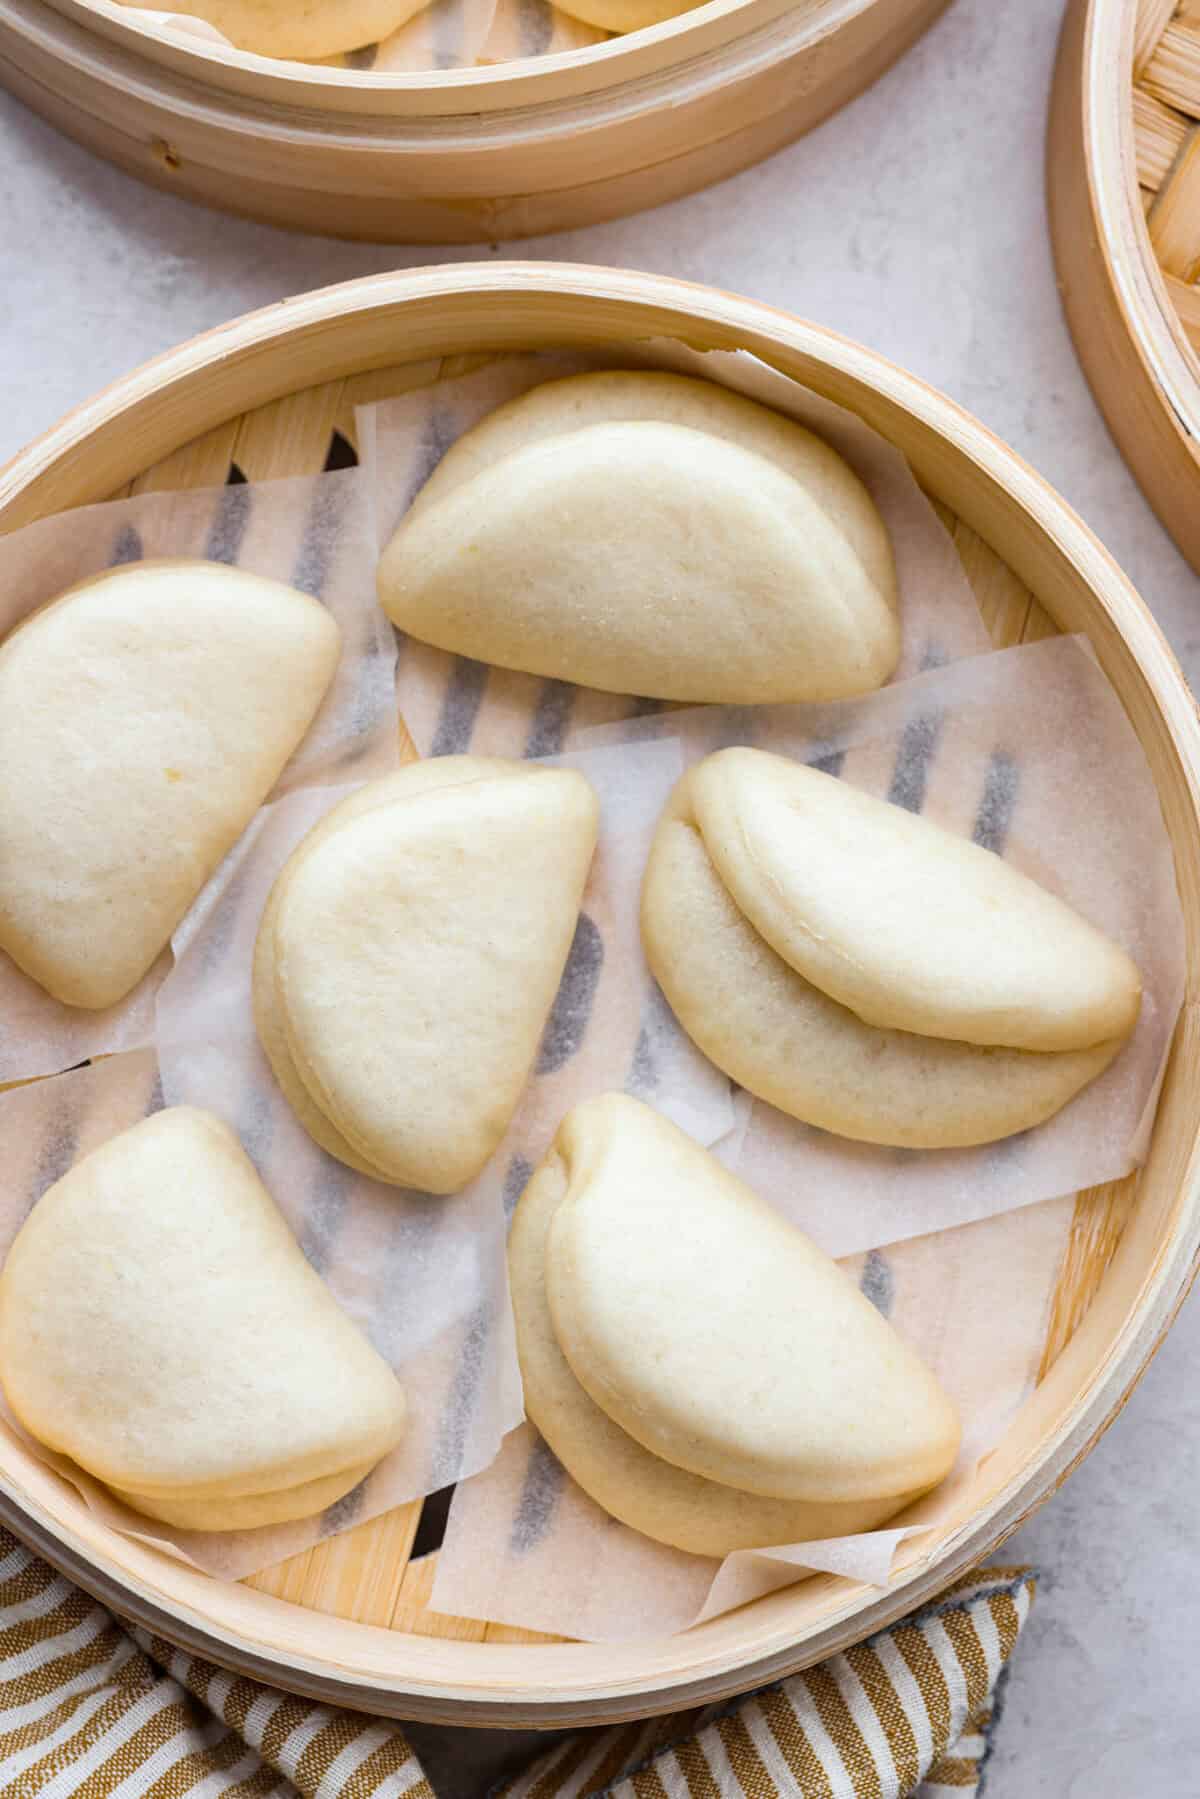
(450, 155)
(274, 394)
(1124, 180)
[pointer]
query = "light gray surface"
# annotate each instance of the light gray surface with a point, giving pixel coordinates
(915, 222)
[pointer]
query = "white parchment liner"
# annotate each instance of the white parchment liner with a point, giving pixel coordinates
(315, 533)
(535, 28)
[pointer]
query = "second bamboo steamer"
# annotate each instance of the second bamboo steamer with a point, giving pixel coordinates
(1123, 172)
(463, 155)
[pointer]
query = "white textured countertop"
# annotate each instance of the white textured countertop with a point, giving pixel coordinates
(914, 221)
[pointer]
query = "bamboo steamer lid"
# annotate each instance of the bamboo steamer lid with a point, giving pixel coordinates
(454, 155)
(1124, 188)
(273, 394)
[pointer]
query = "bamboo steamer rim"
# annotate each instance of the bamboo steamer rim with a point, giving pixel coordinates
(716, 26)
(378, 321)
(1139, 360)
(517, 108)
(521, 149)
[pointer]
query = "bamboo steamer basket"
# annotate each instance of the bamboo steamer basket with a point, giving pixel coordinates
(273, 395)
(1124, 188)
(451, 156)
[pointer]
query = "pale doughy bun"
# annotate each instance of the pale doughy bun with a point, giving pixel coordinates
(783, 1039)
(701, 1368)
(268, 1015)
(144, 717)
(250, 1510)
(409, 956)
(910, 925)
(626, 15)
(652, 534)
(303, 30)
(642, 1490)
(160, 1326)
(862, 969)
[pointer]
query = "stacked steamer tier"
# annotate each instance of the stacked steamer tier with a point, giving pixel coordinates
(450, 155)
(1124, 182)
(274, 395)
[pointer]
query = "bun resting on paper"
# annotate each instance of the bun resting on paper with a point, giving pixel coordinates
(625, 15)
(305, 31)
(160, 1326)
(699, 1366)
(145, 715)
(866, 971)
(648, 533)
(409, 955)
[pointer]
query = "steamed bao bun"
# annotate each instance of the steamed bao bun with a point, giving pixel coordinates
(160, 1326)
(648, 533)
(703, 1370)
(862, 969)
(300, 30)
(145, 715)
(409, 955)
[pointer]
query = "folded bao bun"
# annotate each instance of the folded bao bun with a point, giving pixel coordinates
(866, 971)
(647, 533)
(145, 715)
(699, 1366)
(305, 32)
(409, 955)
(160, 1326)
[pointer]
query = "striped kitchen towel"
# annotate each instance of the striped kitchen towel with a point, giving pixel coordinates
(90, 1709)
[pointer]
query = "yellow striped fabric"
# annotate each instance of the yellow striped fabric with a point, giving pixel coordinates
(90, 1709)
(907, 1713)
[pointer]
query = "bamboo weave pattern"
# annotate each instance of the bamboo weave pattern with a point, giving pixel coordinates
(1166, 123)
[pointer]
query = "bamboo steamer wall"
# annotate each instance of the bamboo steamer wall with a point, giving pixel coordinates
(350, 1620)
(1124, 184)
(453, 156)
